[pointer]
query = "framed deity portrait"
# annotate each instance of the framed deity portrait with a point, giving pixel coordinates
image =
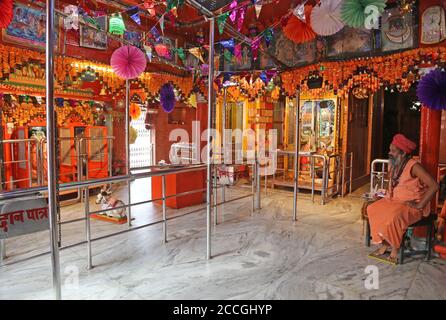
(91, 38)
(433, 27)
(27, 27)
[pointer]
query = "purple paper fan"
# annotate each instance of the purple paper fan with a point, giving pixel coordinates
(167, 97)
(431, 90)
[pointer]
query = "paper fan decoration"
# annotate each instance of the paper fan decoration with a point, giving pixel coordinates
(326, 17)
(134, 111)
(128, 62)
(167, 97)
(6, 13)
(353, 11)
(431, 90)
(298, 31)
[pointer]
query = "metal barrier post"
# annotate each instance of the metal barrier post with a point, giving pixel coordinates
(258, 187)
(30, 174)
(87, 228)
(312, 177)
(209, 126)
(163, 186)
(324, 175)
(296, 155)
(2, 251)
(215, 195)
(253, 188)
(51, 136)
(351, 171)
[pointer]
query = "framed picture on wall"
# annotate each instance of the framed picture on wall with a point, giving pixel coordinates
(27, 27)
(350, 42)
(290, 53)
(433, 25)
(91, 38)
(397, 31)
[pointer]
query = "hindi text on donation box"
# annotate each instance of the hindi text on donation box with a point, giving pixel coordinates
(23, 217)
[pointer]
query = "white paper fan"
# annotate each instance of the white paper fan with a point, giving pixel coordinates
(326, 17)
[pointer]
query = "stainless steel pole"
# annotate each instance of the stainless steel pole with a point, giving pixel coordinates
(30, 174)
(223, 128)
(127, 148)
(51, 138)
(296, 155)
(163, 187)
(2, 251)
(87, 228)
(257, 164)
(209, 137)
(215, 201)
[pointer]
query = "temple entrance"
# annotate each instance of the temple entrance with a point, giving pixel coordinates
(401, 115)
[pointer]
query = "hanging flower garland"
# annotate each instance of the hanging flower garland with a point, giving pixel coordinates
(431, 90)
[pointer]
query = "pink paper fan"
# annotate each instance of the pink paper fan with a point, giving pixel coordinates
(326, 17)
(128, 62)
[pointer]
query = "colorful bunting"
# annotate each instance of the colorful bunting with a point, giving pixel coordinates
(197, 53)
(133, 12)
(233, 15)
(150, 7)
(156, 35)
(238, 52)
(181, 54)
(268, 35)
(255, 48)
(72, 21)
(221, 21)
(148, 50)
(258, 8)
(241, 18)
(228, 44)
(299, 11)
(227, 55)
(161, 21)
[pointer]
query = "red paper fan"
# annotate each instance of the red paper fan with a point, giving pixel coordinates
(6, 12)
(298, 31)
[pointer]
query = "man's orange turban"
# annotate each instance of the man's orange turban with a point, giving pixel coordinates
(404, 144)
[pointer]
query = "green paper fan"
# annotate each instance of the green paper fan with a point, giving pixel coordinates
(352, 12)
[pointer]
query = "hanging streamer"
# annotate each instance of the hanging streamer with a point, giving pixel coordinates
(268, 35)
(156, 35)
(197, 53)
(241, 18)
(233, 14)
(258, 8)
(162, 24)
(255, 48)
(221, 22)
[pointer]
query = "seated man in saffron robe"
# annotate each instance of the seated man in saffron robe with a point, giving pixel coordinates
(411, 188)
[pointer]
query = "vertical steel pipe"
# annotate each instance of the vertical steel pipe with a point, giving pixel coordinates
(2, 251)
(258, 188)
(51, 138)
(209, 137)
(88, 228)
(127, 148)
(163, 187)
(296, 155)
(223, 135)
(30, 174)
(215, 196)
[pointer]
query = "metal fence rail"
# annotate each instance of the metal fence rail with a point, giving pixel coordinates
(153, 171)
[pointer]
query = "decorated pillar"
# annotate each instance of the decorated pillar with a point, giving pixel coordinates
(429, 148)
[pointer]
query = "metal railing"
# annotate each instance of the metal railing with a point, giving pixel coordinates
(346, 168)
(154, 171)
(329, 166)
(23, 161)
(381, 175)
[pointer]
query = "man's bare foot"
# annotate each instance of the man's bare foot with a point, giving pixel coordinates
(383, 249)
(394, 254)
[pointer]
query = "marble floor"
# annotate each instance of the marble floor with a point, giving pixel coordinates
(255, 255)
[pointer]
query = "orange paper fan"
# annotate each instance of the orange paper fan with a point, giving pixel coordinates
(298, 31)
